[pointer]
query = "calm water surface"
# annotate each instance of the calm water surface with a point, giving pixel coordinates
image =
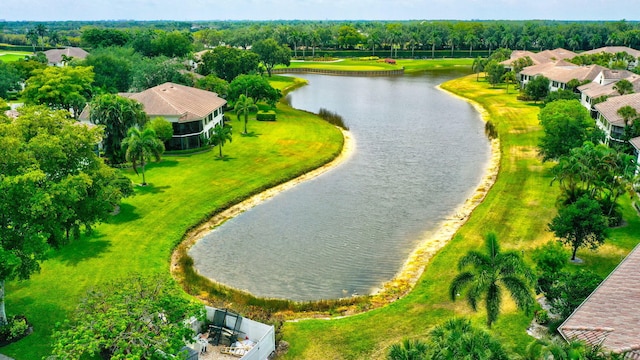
(419, 154)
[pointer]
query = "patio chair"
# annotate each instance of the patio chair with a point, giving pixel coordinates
(217, 326)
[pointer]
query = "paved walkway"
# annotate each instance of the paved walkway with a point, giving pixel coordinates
(5, 357)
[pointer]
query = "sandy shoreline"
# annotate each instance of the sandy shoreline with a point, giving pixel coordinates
(431, 242)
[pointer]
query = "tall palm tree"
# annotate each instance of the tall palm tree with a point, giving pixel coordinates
(491, 272)
(221, 134)
(141, 146)
(244, 105)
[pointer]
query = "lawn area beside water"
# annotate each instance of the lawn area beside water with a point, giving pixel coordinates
(182, 191)
(9, 56)
(373, 65)
(517, 208)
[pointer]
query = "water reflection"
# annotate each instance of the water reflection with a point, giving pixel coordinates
(420, 154)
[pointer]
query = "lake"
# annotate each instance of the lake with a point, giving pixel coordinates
(420, 153)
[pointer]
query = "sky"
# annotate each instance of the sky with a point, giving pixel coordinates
(193, 10)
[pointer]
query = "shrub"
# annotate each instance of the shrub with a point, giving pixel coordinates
(266, 116)
(16, 329)
(542, 317)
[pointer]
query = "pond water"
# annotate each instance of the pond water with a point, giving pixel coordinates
(420, 153)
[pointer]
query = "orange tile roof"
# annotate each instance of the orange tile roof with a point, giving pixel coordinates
(611, 314)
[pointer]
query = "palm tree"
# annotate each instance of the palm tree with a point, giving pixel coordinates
(623, 87)
(141, 146)
(221, 134)
(509, 77)
(408, 350)
(478, 66)
(457, 339)
(491, 273)
(244, 105)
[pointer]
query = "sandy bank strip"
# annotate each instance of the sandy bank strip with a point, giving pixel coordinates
(432, 241)
(348, 148)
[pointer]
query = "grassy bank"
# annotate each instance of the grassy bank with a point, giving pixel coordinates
(373, 65)
(517, 209)
(183, 191)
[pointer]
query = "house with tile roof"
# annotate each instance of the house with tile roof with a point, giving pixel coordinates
(560, 73)
(542, 57)
(604, 86)
(610, 316)
(608, 119)
(615, 50)
(193, 113)
(58, 57)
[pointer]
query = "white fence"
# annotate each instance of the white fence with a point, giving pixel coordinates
(261, 334)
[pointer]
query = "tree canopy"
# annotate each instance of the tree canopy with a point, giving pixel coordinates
(566, 125)
(256, 87)
(271, 54)
(117, 114)
(130, 318)
(537, 88)
(64, 87)
(51, 183)
(227, 63)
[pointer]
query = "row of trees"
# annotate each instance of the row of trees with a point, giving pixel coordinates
(304, 37)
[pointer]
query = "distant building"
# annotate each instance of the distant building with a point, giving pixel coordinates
(608, 119)
(59, 57)
(560, 73)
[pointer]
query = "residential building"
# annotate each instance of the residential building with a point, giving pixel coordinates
(608, 118)
(604, 85)
(560, 73)
(192, 112)
(542, 57)
(58, 57)
(610, 316)
(615, 50)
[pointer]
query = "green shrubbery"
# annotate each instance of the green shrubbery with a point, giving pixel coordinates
(266, 115)
(16, 329)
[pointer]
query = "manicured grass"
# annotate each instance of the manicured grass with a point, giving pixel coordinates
(183, 191)
(369, 65)
(518, 209)
(8, 56)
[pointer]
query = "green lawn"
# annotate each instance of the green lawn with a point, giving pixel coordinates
(517, 209)
(372, 65)
(183, 191)
(8, 56)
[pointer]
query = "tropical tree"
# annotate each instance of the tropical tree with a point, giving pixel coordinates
(244, 105)
(117, 114)
(132, 318)
(457, 339)
(537, 88)
(60, 87)
(623, 87)
(52, 183)
(272, 54)
(141, 147)
(509, 78)
(162, 127)
(580, 224)
(491, 272)
(494, 72)
(221, 134)
(408, 350)
(478, 66)
(566, 125)
(9, 79)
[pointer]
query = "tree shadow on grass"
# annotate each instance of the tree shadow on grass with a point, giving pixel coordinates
(224, 158)
(149, 188)
(87, 247)
(162, 164)
(250, 134)
(127, 213)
